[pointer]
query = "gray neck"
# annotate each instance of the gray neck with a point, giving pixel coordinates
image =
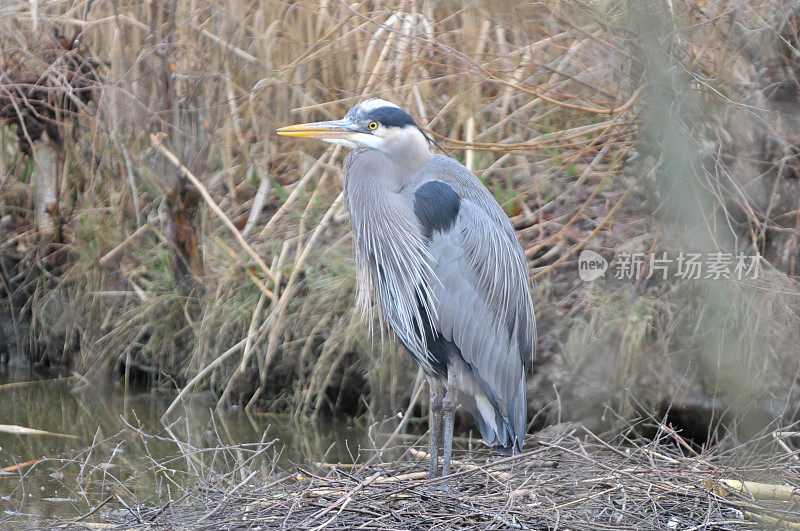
(409, 151)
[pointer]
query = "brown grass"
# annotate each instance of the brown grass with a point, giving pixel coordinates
(593, 128)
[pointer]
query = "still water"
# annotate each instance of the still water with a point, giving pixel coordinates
(104, 446)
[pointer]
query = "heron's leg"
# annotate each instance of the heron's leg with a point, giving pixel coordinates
(449, 407)
(435, 429)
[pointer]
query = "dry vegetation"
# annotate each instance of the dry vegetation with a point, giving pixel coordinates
(574, 480)
(567, 482)
(152, 226)
(142, 278)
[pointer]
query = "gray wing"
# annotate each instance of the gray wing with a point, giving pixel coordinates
(483, 306)
(489, 236)
(466, 185)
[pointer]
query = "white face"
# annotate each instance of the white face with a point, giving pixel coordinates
(372, 134)
(377, 139)
(383, 136)
(374, 123)
(359, 140)
(364, 140)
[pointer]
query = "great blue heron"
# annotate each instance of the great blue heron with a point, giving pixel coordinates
(440, 257)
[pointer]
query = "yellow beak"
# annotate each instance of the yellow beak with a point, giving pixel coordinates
(331, 130)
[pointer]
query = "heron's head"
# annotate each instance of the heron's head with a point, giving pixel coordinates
(373, 123)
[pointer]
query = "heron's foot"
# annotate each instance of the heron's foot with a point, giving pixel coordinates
(443, 486)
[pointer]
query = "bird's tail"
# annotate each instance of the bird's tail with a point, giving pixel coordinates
(502, 425)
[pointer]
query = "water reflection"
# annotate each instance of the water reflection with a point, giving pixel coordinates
(115, 450)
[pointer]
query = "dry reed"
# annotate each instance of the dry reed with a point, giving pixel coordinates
(551, 105)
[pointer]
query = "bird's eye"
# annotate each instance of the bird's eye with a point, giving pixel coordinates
(372, 126)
